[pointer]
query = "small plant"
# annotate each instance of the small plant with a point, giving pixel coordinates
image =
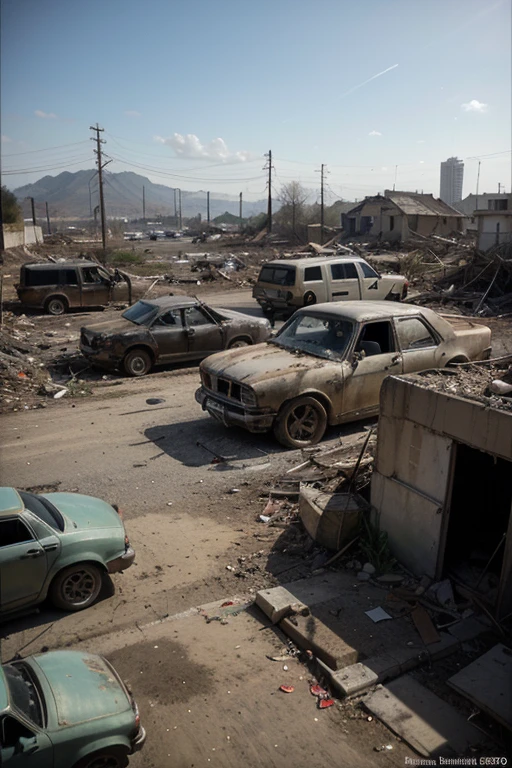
(125, 257)
(375, 547)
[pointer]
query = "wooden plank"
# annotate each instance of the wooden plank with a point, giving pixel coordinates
(424, 625)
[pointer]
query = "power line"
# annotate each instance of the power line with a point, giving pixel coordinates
(47, 149)
(24, 171)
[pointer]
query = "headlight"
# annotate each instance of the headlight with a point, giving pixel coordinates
(248, 396)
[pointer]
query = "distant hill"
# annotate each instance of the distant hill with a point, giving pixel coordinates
(68, 195)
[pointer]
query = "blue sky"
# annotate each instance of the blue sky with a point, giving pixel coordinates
(193, 94)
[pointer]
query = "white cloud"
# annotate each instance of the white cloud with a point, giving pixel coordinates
(190, 147)
(132, 113)
(422, 162)
(45, 115)
(474, 106)
(420, 141)
(375, 133)
(6, 139)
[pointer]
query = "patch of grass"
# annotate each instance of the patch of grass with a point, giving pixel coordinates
(125, 257)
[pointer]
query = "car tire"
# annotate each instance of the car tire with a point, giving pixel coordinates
(236, 343)
(56, 305)
(309, 299)
(76, 587)
(112, 757)
(137, 362)
(301, 422)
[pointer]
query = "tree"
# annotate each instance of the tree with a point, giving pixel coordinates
(292, 197)
(11, 211)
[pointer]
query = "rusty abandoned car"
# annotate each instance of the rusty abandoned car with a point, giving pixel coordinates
(58, 287)
(165, 330)
(327, 363)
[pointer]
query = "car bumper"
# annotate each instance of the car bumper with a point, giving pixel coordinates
(254, 419)
(100, 357)
(123, 562)
(139, 740)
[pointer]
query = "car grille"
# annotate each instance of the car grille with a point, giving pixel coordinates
(224, 387)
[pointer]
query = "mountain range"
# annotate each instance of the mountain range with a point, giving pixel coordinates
(75, 195)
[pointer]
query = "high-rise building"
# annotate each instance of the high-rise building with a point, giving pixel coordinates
(452, 175)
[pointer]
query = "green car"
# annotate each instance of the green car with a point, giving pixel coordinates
(66, 709)
(58, 545)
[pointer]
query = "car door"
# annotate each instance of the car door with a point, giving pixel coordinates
(419, 343)
(23, 564)
(95, 289)
(170, 336)
(344, 282)
(21, 747)
(371, 283)
(204, 334)
(68, 280)
(375, 356)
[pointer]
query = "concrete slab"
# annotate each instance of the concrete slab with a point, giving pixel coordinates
(277, 603)
(318, 589)
(487, 682)
(446, 645)
(311, 634)
(468, 629)
(427, 723)
(353, 679)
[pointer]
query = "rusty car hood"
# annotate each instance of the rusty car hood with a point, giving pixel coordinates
(261, 362)
(119, 325)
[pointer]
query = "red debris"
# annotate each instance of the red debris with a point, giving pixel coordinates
(287, 688)
(324, 703)
(228, 602)
(317, 690)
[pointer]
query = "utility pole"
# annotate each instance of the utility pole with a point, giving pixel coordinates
(101, 166)
(208, 207)
(396, 172)
(240, 211)
(175, 213)
(179, 201)
(1, 235)
(477, 183)
(322, 173)
(499, 188)
(144, 203)
(269, 183)
(33, 206)
(48, 220)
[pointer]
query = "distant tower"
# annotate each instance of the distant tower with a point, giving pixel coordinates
(452, 175)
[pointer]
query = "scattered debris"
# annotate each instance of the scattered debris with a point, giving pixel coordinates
(378, 614)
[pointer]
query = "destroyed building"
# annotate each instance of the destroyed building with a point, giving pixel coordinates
(494, 225)
(395, 216)
(441, 486)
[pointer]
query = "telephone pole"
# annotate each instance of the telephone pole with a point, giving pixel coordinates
(269, 183)
(48, 220)
(499, 188)
(208, 207)
(322, 174)
(240, 211)
(175, 210)
(144, 203)
(179, 202)
(101, 166)
(33, 208)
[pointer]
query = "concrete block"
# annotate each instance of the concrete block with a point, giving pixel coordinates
(467, 629)
(408, 658)
(277, 603)
(311, 634)
(353, 679)
(384, 666)
(446, 645)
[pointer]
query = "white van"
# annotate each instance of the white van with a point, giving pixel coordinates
(291, 283)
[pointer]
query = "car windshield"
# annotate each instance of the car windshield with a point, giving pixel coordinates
(277, 275)
(23, 693)
(43, 509)
(141, 313)
(323, 336)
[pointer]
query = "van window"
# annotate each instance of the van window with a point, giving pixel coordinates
(367, 270)
(376, 338)
(343, 271)
(312, 273)
(35, 277)
(68, 277)
(277, 275)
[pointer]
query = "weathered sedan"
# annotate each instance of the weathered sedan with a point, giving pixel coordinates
(327, 363)
(57, 545)
(166, 330)
(66, 709)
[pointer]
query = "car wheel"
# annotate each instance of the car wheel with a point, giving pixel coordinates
(301, 422)
(137, 363)
(309, 299)
(111, 758)
(76, 587)
(56, 306)
(236, 343)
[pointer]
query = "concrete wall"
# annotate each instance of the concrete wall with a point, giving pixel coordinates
(27, 236)
(411, 479)
(488, 234)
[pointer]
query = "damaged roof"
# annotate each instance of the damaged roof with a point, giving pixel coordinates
(413, 204)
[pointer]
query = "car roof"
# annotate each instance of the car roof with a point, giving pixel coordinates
(10, 502)
(172, 302)
(63, 264)
(365, 310)
(313, 261)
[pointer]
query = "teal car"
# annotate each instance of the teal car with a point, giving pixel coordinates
(66, 709)
(57, 545)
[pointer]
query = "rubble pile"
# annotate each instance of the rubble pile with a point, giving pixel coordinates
(488, 383)
(22, 376)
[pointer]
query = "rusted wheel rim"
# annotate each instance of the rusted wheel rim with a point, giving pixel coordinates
(79, 588)
(138, 364)
(303, 422)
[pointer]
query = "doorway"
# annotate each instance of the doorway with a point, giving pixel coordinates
(480, 507)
